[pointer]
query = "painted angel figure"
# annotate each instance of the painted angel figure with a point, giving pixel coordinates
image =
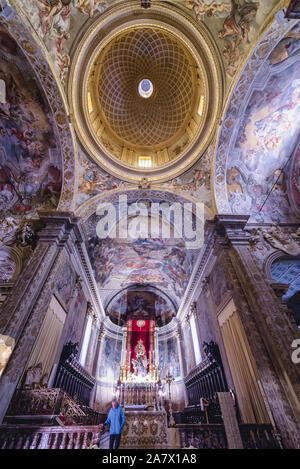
(54, 14)
(202, 8)
(89, 7)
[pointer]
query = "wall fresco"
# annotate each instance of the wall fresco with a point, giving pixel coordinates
(110, 360)
(168, 358)
(260, 161)
(30, 165)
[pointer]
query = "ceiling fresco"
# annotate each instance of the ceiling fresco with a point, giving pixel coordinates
(156, 261)
(195, 183)
(93, 180)
(235, 24)
(141, 302)
(30, 161)
(259, 166)
(57, 23)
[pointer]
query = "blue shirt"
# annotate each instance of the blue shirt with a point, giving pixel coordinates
(116, 419)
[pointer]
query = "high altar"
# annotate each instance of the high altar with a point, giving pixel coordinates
(139, 387)
(139, 384)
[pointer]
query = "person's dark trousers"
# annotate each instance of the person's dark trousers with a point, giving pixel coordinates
(114, 441)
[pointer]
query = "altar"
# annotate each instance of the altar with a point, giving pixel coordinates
(145, 429)
(139, 385)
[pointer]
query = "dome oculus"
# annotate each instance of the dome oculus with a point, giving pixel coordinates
(145, 88)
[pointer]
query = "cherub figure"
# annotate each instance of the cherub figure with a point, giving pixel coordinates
(89, 7)
(201, 8)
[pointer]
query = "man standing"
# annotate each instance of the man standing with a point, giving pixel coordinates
(116, 420)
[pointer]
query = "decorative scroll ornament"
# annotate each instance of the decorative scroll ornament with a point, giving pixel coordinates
(277, 238)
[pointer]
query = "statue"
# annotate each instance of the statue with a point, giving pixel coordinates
(140, 362)
(277, 238)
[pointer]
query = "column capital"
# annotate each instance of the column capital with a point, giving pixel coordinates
(231, 228)
(58, 226)
(91, 313)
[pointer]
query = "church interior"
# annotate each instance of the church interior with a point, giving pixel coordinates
(125, 126)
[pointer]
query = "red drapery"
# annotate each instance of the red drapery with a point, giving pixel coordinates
(140, 329)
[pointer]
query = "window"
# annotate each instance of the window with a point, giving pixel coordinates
(145, 88)
(195, 340)
(145, 161)
(90, 104)
(86, 340)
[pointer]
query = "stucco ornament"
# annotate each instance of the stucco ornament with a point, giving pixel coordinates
(277, 238)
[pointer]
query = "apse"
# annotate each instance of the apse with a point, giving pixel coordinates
(138, 301)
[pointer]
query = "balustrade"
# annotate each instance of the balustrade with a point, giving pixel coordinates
(210, 436)
(213, 436)
(36, 437)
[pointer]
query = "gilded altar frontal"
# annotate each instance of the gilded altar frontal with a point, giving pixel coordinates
(150, 227)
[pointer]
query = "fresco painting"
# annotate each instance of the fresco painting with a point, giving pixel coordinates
(76, 318)
(160, 262)
(30, 166)
(93, 180)
(257, 172)
(148, 302)
(65, 285)
(54, 21)
(110, 360)
(168, 358)
(196, 181)
(234, 23)
(288, 47)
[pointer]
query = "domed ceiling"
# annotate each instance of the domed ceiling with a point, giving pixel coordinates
(135, 119)
(145, 92)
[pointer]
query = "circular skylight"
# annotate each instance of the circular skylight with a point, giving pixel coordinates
(145, 88)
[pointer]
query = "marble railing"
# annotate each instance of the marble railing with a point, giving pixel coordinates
(206, 436)
(213, 436)
(34, 437)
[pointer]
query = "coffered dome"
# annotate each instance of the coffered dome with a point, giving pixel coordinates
(145, 92)
(149, 58)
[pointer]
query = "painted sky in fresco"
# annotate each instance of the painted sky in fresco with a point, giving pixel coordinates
(265, 142)
(30, 166)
